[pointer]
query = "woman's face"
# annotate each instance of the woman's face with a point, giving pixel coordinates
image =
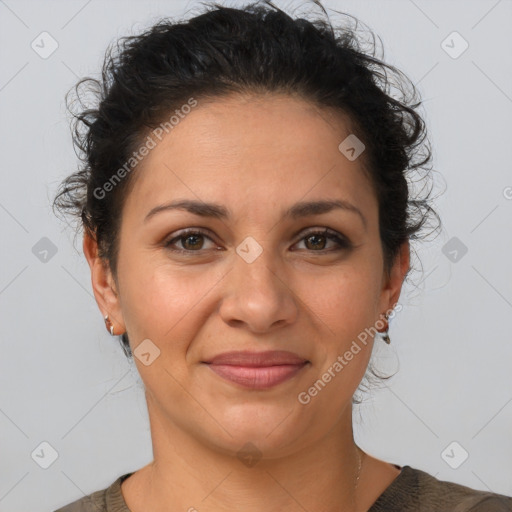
(254, 280)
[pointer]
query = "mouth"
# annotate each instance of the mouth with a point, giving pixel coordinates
(257, 370)
(257, 359)
(257, 377)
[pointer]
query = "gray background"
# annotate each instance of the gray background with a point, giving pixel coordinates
(65, 381)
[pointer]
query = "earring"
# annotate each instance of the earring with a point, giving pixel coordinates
(385, 334)
(110, 325)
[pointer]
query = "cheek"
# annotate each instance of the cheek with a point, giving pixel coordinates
(347, 302)
(163, 304)
(344, 343)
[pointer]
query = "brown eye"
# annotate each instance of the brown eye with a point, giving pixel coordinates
(316, 241)
(191, 241)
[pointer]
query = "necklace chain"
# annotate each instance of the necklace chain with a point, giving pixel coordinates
(358, 473)
(360, 465)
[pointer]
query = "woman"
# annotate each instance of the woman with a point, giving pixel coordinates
(247, 221)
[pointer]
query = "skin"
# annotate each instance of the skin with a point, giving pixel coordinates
(257, 156)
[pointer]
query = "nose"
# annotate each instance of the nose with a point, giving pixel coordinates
(258, 295)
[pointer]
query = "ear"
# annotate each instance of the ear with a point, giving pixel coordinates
(392, 285)
(103, 285)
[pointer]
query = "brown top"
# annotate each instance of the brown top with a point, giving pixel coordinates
(412, 490)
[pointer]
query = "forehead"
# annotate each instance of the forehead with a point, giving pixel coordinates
(259, 150)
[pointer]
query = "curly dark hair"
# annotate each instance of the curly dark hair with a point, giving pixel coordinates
(250, 50)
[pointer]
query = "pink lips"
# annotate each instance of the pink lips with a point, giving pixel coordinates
(257, 370)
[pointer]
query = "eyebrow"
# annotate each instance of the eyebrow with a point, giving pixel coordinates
(298, 210)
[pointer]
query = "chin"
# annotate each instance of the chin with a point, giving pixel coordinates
(267, 430)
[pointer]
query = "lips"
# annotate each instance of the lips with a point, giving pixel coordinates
(255, 359)
(257, 370)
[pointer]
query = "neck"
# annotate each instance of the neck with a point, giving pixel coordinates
(192, 475)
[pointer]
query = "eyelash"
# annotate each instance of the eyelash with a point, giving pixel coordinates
(343, 243)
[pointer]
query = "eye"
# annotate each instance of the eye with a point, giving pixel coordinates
(192, 240)
(317, 240)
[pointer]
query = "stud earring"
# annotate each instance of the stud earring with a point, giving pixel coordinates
(385, 334)
(109, 325)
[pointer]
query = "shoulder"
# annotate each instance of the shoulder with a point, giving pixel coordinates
(109, 499)
(418, 491)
